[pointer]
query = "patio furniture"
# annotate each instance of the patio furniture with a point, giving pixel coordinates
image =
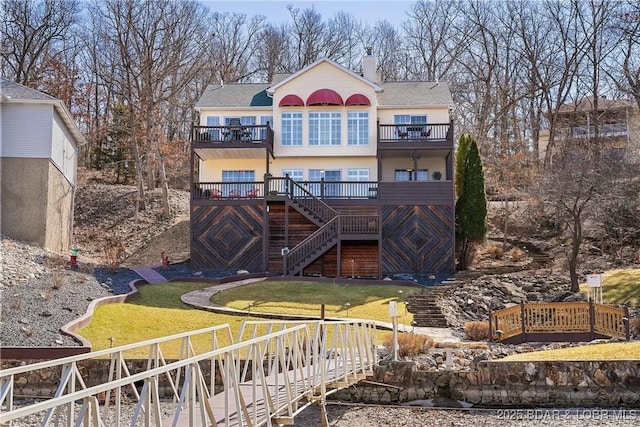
(252, 193)
(234, 194)
(215, 193)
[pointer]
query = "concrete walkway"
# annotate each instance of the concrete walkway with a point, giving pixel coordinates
(149, 275)
(201, 299)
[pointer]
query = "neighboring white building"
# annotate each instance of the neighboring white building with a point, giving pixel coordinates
(38, 161)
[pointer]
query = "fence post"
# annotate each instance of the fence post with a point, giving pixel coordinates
(523, 322)
(627, 331)
(592, 320)
(490, 326)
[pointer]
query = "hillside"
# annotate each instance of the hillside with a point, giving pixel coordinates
(105, 219)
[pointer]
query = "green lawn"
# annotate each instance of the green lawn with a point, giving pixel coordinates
(157, 310)
(613, 351)
(620, 287)
(305, 298)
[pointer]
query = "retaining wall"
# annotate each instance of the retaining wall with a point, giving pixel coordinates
(504, 384)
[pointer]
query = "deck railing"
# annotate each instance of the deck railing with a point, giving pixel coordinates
(232, 133)
(275, 186)
(360, 224)
(542, 320)
(410, 132)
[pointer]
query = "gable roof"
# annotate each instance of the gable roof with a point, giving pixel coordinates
(415, 94)
(235, 95)
(587, 104)
(15, 93)
(273, 88)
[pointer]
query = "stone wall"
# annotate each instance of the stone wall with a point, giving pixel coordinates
(519, 384)
(491, 384)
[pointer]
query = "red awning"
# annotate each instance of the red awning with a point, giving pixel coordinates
(357, 99)
(324, 97)
(291, 101)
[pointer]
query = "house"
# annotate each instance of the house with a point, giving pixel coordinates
(324, 172)
(38, 156)
(616, 122)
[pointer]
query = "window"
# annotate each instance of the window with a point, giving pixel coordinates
(263, 121)
(291, 128)
(400, 119)
(324, 128)
(244, 120)
(357, 174)
(213, 134)
(409, 175)
(329, 176)
(358, 128)
(295, 174)
(234, 188)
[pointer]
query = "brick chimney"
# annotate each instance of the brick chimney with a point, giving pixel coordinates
(369, 65)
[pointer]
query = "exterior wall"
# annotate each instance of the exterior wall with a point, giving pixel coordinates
(59, 218)
(211, 170)
(63, 151)
(434, 115)
(23, 198)
(327, 76)
(432, 164)
(26, 130)
(422, 234)
(256, 112)
(227, 237)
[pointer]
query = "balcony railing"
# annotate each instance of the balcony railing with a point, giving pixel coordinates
(416, 133)
(232, 134)
(278, 187)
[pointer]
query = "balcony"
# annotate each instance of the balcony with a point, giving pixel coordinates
(332, 192)
(412, 136)
(236, 141)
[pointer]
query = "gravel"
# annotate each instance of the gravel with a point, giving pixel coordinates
(40, 294)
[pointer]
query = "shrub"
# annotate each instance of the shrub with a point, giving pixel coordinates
(409, 344)
(113, 252)
(57, 279)
(517, 254)
(495, 251)
(476, 331)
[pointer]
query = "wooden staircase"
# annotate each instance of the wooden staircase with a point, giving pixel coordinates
(332, 226)
(321, 240)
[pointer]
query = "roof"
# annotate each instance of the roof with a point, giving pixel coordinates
(15, 91)
(315, 64)
(415, 94)
(235, 95)
(586, 104)
(403, 94)
(12, 92)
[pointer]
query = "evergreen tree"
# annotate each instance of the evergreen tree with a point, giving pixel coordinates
(461, 157)
(471, 207)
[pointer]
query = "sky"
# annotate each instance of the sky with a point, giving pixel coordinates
(276, 10)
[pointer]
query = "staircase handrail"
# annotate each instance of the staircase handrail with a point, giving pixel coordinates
(311, 243)
(317, 206)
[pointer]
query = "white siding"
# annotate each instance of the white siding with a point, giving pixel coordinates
(26, 130)
(63, 152)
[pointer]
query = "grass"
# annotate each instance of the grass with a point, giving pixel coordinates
(305, 298)
(620, 287)
(613, 351)
(157, 310)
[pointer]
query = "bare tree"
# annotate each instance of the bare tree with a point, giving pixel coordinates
(435, 38)
(33, 31)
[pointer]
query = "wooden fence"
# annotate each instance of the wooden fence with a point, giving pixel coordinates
(558, 321)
